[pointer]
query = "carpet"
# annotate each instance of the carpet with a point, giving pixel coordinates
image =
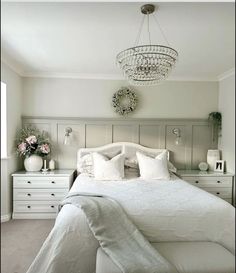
(20, 243)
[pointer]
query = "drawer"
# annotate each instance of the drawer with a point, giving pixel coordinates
(35, 206)
(212, 181)
(41, 182)
(39, 194)
(224, 193)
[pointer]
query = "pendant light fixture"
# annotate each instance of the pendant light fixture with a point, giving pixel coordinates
(147, 64)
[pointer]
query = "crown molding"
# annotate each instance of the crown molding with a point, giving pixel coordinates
(90, 76)
(81, 76)
(192, 79)
(12, 65)
(226, 74)
(106, 76)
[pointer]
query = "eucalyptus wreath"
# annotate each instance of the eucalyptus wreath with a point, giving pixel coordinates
(118, 101)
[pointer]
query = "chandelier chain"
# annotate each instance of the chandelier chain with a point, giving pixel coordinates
(162, 32)
(139, 31)
(148, 29)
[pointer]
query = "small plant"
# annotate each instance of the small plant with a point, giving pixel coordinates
(31, 141)
(215, 119)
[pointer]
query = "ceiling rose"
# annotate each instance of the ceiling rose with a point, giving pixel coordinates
(147, 64)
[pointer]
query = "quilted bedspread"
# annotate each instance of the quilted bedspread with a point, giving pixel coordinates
(162, 210)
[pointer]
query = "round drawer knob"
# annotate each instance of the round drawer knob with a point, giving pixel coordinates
(53, 182)
(218, 182)
(29, 182)
(52, 194)
(29, 194)
(217, 193)
(196, 182)
(28, 207)
(52, 206)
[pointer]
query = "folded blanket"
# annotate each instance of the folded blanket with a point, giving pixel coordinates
(118, 236)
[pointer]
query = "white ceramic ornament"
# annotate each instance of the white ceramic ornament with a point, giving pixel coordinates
(203, 166)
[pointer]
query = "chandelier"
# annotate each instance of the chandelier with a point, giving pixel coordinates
(147, 64)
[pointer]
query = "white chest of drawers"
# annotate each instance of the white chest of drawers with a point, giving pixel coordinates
(36, 195)
(219, 184)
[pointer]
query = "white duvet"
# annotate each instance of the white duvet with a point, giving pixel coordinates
(162, 210)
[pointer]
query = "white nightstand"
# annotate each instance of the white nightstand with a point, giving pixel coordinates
(36, 195)
(219, 184)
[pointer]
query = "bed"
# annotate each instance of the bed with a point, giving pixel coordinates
(165, 211)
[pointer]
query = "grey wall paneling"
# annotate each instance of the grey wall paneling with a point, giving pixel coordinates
(157, 133)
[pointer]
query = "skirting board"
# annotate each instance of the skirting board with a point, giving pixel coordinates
(34, 215)
(5, 218)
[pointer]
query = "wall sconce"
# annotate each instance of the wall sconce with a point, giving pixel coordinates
(67, 137)
(177, 133)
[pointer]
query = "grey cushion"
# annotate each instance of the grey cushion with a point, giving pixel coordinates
(187, 257)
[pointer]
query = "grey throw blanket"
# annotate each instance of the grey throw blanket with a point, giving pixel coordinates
(118, 236)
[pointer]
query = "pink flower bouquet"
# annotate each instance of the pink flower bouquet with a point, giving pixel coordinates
(32, 141)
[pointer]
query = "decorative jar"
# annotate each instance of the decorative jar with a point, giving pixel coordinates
(212, 156)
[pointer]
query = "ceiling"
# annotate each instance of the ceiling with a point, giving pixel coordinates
(82, 39)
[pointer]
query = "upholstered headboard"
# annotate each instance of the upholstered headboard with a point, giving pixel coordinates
(112, 149)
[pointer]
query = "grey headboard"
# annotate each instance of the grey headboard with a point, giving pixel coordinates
(196, 136)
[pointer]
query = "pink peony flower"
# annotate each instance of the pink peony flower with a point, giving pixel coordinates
(31, 139)
(22, 147)
(45, 149)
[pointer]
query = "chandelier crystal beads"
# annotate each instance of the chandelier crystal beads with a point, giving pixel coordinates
(147, 64)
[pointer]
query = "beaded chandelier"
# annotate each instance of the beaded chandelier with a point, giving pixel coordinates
(147, 64)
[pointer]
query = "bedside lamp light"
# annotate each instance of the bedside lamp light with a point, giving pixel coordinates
(178, 139)
(67, 137)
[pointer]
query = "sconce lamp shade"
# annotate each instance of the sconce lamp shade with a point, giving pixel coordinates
(67, 138)
(177, 133)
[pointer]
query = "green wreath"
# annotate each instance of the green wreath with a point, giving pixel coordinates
(124, 101)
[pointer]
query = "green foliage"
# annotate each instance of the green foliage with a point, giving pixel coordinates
(215, 118)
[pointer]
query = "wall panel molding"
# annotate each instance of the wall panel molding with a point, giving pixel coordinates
(156, 133)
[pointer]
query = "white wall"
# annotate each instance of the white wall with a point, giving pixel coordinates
(92, 98)
(227, 108)
(14, 111)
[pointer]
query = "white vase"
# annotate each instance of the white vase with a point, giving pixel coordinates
(212, 156)
(33, 163)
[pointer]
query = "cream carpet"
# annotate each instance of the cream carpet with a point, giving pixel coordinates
(20, 243)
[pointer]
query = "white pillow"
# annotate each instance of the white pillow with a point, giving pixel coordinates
(153, 168)
(108, 169)
(132, 162)
(85, 163)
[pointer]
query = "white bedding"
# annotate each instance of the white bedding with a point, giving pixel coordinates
(162, 210)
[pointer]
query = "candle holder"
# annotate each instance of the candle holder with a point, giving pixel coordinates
(45, 169)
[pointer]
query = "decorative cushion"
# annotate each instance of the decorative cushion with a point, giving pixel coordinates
(108, 169)
(153, 168)
(85, 162)
(187, 257)
(132, 163)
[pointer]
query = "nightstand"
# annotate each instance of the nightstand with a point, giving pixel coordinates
(36, 195)
(219, 184)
